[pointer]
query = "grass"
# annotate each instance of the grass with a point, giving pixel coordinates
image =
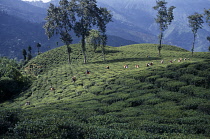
(169, 100)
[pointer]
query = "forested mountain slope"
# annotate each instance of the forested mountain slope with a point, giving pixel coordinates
(17, 34)
(134, 20)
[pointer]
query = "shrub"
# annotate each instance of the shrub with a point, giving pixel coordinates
(195, 91)
(202, 92)
(114, 98)
(191, 70)
(198, 81)
(153, 101)
(192, 103)
(152, 79)
(9, 88)
(8, 119)
(161, 81)
(142, 76)
(173, 85)
(135, 101)
(189, 90)
(171, 75)
(169, 95)
(146, 86)
(205, 107)
(96, 89)
(187, 78)
(102, 119)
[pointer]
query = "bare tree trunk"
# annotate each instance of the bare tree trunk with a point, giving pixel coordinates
(160, 43)
(103, 52)
(68, 49)
(69, 60)
(83, 49)
(160, 47)
(193, 45)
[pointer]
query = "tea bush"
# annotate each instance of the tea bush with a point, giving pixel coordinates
(192, 103)
(173, 85)
(169, 100)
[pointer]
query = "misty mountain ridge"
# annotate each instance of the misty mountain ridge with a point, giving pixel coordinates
(133, 21)
(21, 28)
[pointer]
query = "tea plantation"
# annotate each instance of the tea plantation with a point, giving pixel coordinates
(164, 100)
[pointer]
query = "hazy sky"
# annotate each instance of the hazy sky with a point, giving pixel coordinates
(38, 0)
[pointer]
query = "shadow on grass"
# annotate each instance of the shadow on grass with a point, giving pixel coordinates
(109, 51)
(128, 60)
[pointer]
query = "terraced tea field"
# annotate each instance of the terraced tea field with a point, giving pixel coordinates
(165, 100)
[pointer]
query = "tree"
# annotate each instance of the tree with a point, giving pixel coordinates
(79, 15)
(60, 21)
(24, 53)
(207, 14)
(195, 23)
(208, 38)
(29, 54)
(66, 38)
(103, 21)
(94, 39)
(164, 18)
(29, 49)
(38, 45)
(89, 15)
(12, 81)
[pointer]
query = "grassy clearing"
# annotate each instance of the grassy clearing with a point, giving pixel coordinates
(169, 100)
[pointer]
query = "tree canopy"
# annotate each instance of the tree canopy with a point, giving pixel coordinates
(195, 23)
(77, 15)
(164, 18)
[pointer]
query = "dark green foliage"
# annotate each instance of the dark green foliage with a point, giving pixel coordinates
(79, 16)
(8, 119)
(11, 79)
(207, 14)
(161, 82)
(195, 23)
(8, 88)
(204, 107)
(164, 18)
(24, 53)
(38, 45)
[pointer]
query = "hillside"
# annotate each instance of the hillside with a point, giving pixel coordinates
(17, 34)
(23, 10)
(169, 100)
(21, 25)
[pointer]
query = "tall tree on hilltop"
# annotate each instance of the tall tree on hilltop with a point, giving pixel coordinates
(195, 23)
(207, 14)
(94, 39)
(24, 53)
(29, 54)
(103, 21)
(79, 15)
(164, 18)
(66, 38)
(38, 45)
(60, 21)
(89, 15)
(29, 49)
(208, 38)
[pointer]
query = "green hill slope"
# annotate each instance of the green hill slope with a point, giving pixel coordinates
(169, 100)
